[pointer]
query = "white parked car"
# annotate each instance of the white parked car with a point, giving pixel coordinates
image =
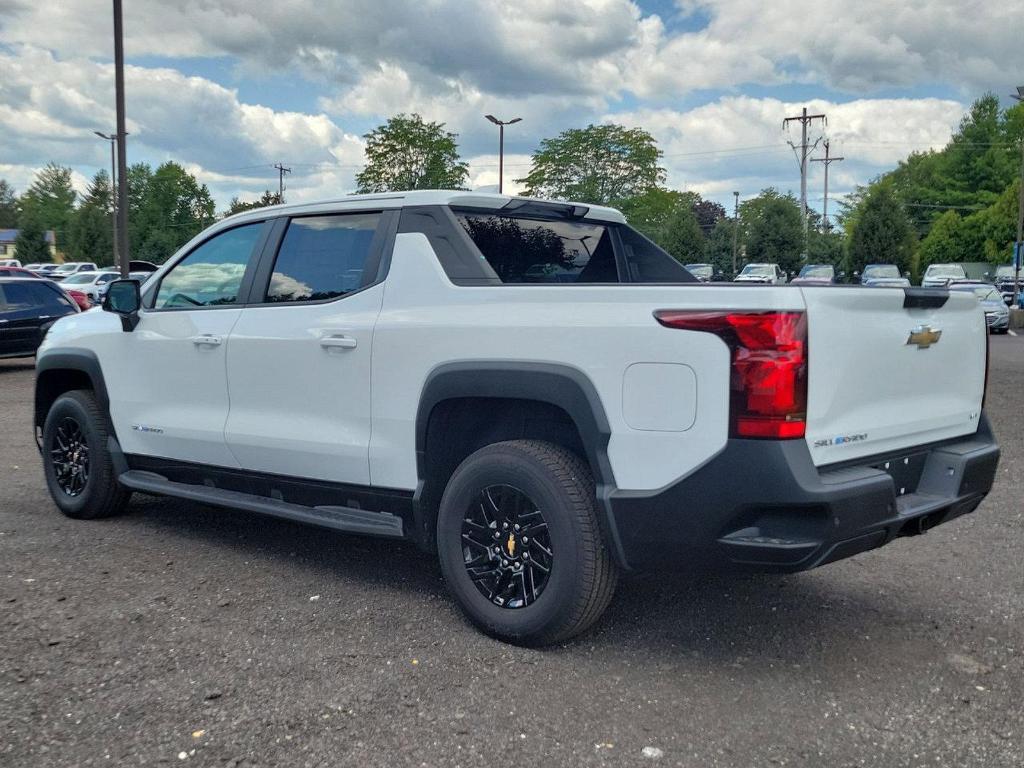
(770, 274)
(92, 284)
(531, 390)
(71, 268)
(9, 263)
(940, 275)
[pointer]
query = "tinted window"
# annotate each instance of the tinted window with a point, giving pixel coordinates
(531, 251)
(322, 257)
(212, 274)
(647, 263)
(19, 296)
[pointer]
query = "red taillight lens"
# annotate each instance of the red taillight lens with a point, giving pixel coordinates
(769, 367)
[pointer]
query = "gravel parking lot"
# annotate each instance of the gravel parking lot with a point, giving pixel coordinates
(185, 634)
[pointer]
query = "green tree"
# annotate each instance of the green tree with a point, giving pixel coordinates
(774, 229)
(408, 153)
(91, 238)
(167, 208)
(30, 245)
(8, 206)
(50, 202)
(601, 164)
(718, 251)
(266, 199)
(684, 238)
(883, 233)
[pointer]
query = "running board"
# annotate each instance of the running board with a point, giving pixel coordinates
(344, 519)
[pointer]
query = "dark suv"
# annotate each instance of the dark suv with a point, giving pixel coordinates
(28, 307)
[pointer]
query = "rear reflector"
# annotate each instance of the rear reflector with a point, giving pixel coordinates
(769, 367)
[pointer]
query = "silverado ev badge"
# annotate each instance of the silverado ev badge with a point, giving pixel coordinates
(924, 336)
(841, 440)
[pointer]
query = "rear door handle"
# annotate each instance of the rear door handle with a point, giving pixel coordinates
(340, 342)
(207, 340)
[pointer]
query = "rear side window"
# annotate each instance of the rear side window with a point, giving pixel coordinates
(322, 257)
(534, 251)
(647, 263)
(18, 296)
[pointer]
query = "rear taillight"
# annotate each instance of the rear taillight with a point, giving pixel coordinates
(769, 367)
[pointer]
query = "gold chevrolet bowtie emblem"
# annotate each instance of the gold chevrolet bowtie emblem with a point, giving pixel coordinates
(511, 545)
(924, 336)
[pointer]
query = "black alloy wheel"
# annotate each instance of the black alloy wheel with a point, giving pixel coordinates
(506, 547)
(70, 457)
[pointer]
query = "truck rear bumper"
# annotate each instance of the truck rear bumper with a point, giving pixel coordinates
(763, 505)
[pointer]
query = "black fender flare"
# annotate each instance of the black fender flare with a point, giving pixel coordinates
(562, 386)
(82, 361)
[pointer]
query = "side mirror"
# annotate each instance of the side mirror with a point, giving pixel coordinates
(124, 298)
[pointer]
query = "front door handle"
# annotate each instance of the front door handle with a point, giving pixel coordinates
(339, 342)
(207, 340)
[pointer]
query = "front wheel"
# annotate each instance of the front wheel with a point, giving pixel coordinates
(79, 472)
(520, 544)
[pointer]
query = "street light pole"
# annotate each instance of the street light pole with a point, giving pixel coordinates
(501, 146)
(1019, 252)
(122, 160)
(112, 138)
(735, 230)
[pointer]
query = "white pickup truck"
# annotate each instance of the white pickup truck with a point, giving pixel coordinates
(532, 390)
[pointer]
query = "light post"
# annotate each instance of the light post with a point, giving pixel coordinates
(501, 146)
(1018, 253)
(112, 138)
(735, 230)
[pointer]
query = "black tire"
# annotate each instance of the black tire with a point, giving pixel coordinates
(582, 576)
(99, 495)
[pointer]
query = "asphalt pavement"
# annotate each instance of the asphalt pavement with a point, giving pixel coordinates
(183, 634)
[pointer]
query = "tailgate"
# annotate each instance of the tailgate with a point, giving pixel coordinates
(872, 392)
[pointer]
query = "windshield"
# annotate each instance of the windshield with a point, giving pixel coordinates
(758, 269)
(1005, 272)
(65, 269)
(818, 270)
(79, 279)
(882, 270)
(700, 270)
(945, 270)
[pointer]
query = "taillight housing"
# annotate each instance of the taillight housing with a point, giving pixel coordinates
(769, 367)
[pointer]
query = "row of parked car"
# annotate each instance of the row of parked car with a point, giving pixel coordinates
(33, 297)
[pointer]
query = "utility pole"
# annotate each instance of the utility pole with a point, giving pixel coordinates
(805, 149)
(827, 160)
(281, 171)
(112, 138)
(122, 159)
(1019, 252)
(735, 230)
(501, 146)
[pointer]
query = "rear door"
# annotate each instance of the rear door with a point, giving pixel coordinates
(298, 360)
(27, 307)
(883, 376)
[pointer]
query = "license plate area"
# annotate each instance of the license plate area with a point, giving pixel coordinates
(904, 470)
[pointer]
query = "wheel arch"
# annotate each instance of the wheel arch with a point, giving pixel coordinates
(535, 391)
(62, 370)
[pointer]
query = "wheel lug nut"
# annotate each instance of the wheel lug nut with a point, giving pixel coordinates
(525, 539)
(516, 526)
(497, 535)
(526, 555)
(504, 562)
(505, 526)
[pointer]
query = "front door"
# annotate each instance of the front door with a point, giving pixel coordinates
(166, 379)
(299, 361)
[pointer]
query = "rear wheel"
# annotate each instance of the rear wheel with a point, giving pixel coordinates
(79, 472)
(520, 544)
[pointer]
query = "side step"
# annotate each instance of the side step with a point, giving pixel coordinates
(337, 518)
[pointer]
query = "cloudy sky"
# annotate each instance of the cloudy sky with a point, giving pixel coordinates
(229, 87)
